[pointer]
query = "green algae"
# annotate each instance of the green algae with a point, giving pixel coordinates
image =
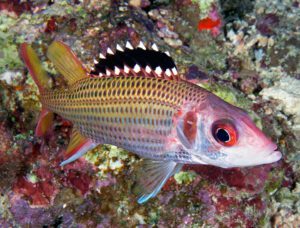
(20, 137)
(153, 217)
(4, 207)
(263, 221)
(204, 48)
(9, 56)
(287, 198)
(272, 185)
(31, 177)
(185, 177)
(115, 152)
(204, 6)
(223, 92)
(67, 197)
(108, 158)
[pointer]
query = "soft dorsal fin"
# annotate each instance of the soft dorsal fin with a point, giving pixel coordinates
(138, 61)
(66, 62)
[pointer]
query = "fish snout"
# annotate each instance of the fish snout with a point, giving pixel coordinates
(272, 154)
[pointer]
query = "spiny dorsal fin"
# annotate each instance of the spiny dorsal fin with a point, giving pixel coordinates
(66, 62)
(137, 61)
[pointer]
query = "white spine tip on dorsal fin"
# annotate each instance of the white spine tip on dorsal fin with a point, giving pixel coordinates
(158, 70)
(95, 61)
(136, 68)
(174, 71)
(141, 45)
(101, 56)
(126, 69)
(100, 75)
(108, 72)
(109, 51)
(148, 69)
(119, 48)
(117, 71)
(128, 45)
(168, 72)
(167, 53)
(154, 47)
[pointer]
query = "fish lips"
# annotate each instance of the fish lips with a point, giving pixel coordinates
(274, 155)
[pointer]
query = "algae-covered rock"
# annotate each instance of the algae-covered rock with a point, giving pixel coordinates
(184, 177)
(9, 56)
(286, 92)
(235, 98)
(253, 56)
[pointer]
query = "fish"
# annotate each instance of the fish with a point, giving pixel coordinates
(134, 98)
(208, 24)
(211, 23)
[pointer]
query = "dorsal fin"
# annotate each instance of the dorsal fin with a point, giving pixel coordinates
(66, 62)
(139, 61)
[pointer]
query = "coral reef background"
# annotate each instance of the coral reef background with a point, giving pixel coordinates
(249, 57)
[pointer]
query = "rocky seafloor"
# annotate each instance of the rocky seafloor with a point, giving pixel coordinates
(250, 58)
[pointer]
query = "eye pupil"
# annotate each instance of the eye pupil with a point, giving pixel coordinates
(225, 133)
(222, 135)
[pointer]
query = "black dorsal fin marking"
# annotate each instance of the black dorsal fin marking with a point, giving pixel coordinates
(135, 60)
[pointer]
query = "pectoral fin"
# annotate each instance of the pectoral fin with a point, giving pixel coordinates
(153, 176)
(78, 146)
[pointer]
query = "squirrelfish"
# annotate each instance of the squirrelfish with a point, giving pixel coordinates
(135, 99)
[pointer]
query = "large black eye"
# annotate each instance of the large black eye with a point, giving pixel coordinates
(222, 135)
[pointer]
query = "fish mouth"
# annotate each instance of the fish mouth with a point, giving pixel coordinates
(274, 155)
(271, 148)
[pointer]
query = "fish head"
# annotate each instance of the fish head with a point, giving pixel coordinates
(225, 136)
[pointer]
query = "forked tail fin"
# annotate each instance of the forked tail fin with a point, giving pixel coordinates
(43, 82)
(34, 66)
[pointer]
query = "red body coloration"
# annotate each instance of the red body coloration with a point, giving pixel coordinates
(79, 180)
(212, 23)
(190, 126)
(40, 193)
(16, 6)
(208, 24)
(51, 25)
(230, 130)
(247, 179)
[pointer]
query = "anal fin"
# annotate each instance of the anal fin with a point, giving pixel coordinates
(44, 122)
(78, 146)
(153, 176)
